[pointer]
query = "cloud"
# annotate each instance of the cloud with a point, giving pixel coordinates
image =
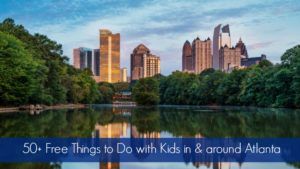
(259, 45)
(162, 25)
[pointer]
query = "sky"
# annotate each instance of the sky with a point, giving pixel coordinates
(266, 27)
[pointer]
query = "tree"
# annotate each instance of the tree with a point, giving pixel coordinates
(34, 70)
(17, 71)
(291, 60)
(209, 83)
(230, 88)
(146, 92)
(106, 92)
(178, 88)
(121, 87)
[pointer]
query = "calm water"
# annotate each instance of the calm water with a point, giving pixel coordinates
(168, 121)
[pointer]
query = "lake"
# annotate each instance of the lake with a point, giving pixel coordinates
(105, 121)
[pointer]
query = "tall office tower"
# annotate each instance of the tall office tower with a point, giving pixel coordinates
(201, 54)
(242, 46)
(230, 58)
(96, 54)
(83, 58)
(151, 65)
(187, 59)
(220, 39)
(124, 74)
(143, 63)
(109, 56)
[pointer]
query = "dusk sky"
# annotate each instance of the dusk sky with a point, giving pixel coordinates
(268, 27)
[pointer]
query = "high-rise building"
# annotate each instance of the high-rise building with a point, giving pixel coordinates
(97, 62)
(143, 63)
(87, 58)
(220, 39)
(109, 56)
(187, 59)
(83, 58)
(242, 46)
(124, 74)
(230, 58)
(151, 65)
(201, 54)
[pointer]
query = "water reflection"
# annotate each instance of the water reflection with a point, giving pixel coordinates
(174, 121)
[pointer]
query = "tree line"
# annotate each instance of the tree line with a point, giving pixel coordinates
(263, 85)
(33, 69)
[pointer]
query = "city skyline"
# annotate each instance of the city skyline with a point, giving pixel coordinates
(271, 30)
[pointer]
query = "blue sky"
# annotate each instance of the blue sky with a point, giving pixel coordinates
(269, 26)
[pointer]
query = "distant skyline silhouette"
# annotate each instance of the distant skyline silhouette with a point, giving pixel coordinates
(268, 27)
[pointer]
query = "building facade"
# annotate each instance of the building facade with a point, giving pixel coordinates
(83, 58)
(230, 58)
(221, 38)
(143, 63)
(247, 62)
(124, 74)
(201, 55)
(109, 56)
(187, 59)
(87, 58)
(151, 65)
(96, 53)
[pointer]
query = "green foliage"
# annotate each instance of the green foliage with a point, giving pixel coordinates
(178, 88)
(81, 87)
(17, 71)
(106, 92)
(291, 60)
(121, 87)
(34, 70)
(264, 85)
(228, 91)
(146, 92)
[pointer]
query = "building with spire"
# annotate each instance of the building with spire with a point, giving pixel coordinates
(242, 46)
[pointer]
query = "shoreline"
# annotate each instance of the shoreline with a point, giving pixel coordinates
(44, 107)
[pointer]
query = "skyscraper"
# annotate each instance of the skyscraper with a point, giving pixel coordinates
(220, 39)
(83, 58)
(109, 56)
(187, 59)
(143, 63)
(151, 65)
(97, 62)
(201, 54)
(230, 58)
(87, 58)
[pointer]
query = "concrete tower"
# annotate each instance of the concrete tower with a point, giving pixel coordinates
(221, 38)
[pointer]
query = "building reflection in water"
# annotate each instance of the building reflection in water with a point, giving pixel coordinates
(127, 130)
(120, 130)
